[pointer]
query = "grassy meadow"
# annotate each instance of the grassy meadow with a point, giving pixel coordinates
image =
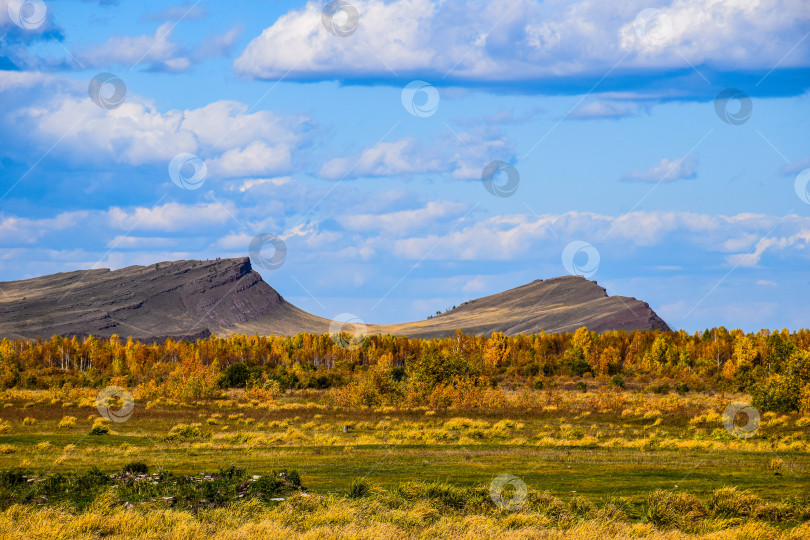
(594, 463)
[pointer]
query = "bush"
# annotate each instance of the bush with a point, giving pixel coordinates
(682, 388)
(397, 373)
(579, 367)
(267, 487)
(582, 387)
(184, 431)
(135, 467)
(12, 478)
(359, 489)
(538, 384)
(294, 478)
(235, 376)
(617, 381)
(660, 388)
(99, 429)
(778, 394)
(67, 422)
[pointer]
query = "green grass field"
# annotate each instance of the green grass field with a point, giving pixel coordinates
(572, 451)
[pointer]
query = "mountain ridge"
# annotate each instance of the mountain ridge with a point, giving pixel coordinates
(189, 299)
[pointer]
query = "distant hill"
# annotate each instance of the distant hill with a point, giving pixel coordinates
(190, 299)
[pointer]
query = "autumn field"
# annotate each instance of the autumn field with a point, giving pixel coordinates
(582, 435)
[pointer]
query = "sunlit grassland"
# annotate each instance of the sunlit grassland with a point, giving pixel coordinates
(568, 450)
(599, 456)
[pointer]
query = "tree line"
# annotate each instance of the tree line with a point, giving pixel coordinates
(773, 366)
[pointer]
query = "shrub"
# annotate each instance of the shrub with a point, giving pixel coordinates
(12, 478)
(661, 388)
(267, 486)
(359, 489)
(67, 422)
(235, 376)
(135, 467)
(99, 429)
(28, 421)
(184, 431)
(779, 394)
(294, 478)
(617, 381)
(682, 388)
(579, 367)
(538, 384)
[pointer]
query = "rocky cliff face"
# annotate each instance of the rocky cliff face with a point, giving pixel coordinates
(185, 299)
(560, 304)
(190, 299)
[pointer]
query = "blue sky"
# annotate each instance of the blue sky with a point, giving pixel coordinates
(609, 115)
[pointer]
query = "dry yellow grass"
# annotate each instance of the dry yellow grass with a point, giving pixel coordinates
(67, 422)
(317, 518)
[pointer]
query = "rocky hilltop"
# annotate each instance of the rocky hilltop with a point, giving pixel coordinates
(180, 299)
(190, 299)
(560, 304)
